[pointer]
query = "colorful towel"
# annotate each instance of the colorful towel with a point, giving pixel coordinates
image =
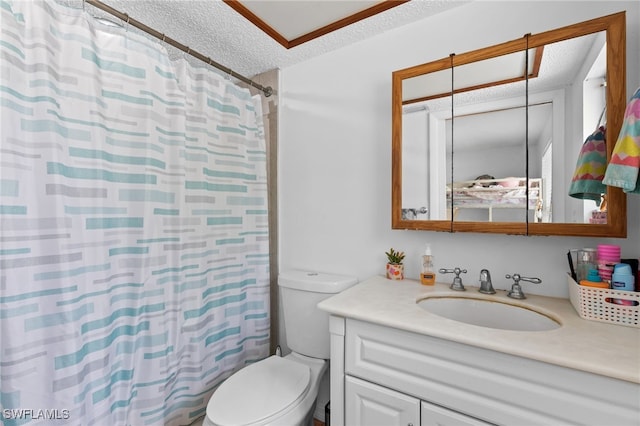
(586, 183)
(624, 167)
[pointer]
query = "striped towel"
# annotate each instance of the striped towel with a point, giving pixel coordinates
(586, 183)
(624, 168)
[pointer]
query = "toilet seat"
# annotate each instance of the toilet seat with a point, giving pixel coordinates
(258, 392)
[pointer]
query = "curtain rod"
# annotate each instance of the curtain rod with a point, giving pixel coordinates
(268, 91)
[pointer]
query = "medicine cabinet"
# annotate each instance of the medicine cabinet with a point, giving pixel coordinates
(488, 140)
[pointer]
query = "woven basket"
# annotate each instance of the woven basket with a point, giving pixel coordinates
(597, 304)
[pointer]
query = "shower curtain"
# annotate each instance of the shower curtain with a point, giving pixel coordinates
(134, 243)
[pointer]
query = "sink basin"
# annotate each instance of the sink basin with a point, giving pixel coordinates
(488, 313)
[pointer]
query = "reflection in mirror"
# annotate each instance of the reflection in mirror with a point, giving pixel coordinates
(426, 121)
(576, 70)
(489, 182)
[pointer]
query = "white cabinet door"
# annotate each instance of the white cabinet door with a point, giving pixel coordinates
(367, 404)
(434, 415)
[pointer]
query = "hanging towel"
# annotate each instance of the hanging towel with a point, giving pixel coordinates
(586, 183)
(624, 167)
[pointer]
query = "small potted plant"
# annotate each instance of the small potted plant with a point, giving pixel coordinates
(395, 267)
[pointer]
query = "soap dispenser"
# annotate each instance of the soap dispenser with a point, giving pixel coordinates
(428, 275)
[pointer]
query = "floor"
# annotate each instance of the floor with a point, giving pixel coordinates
(199, 422)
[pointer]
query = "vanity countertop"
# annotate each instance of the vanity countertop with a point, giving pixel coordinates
(596, 347)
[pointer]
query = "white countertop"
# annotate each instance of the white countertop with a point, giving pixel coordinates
(606, 349)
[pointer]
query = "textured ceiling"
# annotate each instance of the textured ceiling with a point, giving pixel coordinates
(212, 28)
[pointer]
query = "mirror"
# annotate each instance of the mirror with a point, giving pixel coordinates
(488, 140)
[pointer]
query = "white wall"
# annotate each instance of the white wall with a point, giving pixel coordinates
(335, 151)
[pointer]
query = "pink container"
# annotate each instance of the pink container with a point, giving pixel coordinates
(608, 259)
(608, 255)
(605, 272)
(608, 249)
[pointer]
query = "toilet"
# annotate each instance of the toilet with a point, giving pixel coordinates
(283, 390)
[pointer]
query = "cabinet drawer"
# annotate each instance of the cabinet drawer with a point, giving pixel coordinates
(434, 415)
(488, 385)
(367, 404)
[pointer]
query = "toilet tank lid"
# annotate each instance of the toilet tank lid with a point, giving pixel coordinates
(318, 282)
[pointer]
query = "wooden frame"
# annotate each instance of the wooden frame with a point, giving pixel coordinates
(615, 27)
(271, 32)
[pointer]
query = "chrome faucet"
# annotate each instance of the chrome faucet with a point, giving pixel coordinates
(457, 281)
(516, 290)
(485, 282)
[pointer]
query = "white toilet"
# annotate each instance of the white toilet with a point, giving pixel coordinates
(283, 390)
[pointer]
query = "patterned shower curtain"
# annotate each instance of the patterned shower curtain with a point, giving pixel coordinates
(133, 216)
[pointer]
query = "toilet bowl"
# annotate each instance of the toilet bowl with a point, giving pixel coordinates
(283, 390)
(275, 391)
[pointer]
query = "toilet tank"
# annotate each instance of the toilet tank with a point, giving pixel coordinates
(306, 326)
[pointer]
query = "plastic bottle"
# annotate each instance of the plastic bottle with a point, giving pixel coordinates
(622, 279)
(428, 275)
(594, 280)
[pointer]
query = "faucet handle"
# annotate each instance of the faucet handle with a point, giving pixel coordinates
(457, 281)
(517, 278)
(516, 290)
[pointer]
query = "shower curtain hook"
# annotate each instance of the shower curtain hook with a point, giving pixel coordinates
(126, 29)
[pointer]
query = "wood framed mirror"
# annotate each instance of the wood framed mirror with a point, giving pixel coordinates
(488, 140)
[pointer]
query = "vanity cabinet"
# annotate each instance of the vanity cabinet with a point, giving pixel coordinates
(383, 375)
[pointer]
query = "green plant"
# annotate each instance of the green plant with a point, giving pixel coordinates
(395, 257)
